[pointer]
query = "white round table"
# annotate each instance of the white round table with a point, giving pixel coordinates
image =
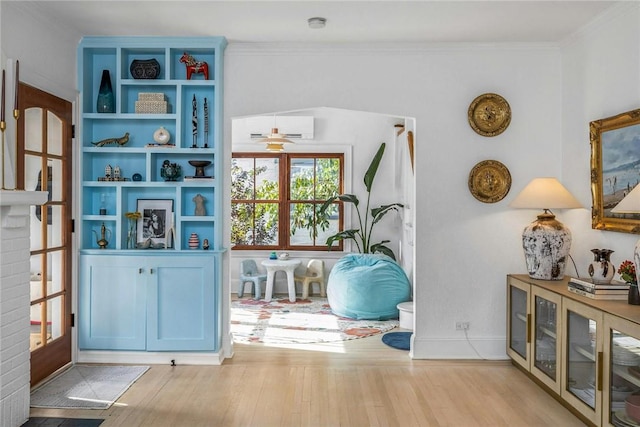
(286, 265)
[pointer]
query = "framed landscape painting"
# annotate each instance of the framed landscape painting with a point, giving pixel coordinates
(615, 169)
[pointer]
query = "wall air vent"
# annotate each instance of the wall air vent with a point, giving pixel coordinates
(285, 135)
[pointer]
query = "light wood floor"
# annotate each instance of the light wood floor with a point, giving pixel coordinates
(357, 383)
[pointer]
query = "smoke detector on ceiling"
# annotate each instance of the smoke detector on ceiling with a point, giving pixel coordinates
(317, 22)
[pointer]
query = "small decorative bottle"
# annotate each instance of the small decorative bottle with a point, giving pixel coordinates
(106, 102)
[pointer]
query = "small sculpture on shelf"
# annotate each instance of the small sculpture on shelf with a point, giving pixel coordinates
(118, 141)
(170, 171)
(199, 201)
(195, 66)
(205, 244)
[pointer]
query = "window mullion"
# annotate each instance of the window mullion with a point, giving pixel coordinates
(284, 205)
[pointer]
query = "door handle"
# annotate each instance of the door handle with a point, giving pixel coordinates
(600, 369)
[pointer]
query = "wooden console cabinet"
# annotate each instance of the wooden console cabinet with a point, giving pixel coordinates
(584, 351)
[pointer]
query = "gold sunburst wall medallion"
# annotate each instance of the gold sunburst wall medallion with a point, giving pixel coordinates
(489, 114)
(489, 181)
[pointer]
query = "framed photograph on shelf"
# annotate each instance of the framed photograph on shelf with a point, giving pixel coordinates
(615, 169)
(155, 223)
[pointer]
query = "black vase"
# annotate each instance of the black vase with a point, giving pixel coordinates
(634, 295)
(106, 102)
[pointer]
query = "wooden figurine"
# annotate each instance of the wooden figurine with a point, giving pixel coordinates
(195, 66)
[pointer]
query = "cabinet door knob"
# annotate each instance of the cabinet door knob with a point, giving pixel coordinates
(140, 271)
(151, 271)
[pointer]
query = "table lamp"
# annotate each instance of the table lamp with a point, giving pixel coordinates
(546, 241)
(630, 204)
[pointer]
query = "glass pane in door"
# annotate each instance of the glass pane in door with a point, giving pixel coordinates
(54, 219)
(55, 261)
(33, 132)
(36, 329)
(545, 343)
(581, 360)
(625, 377)
(55, 325)
(54, 134)
(518, 336)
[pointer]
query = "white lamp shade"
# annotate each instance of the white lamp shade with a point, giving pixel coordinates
(630, 204)
(545, 193)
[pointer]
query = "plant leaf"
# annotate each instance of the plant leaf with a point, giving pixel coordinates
(381, 248)
(379, 213)
(343, 235)
(349, 198)
(373, 168)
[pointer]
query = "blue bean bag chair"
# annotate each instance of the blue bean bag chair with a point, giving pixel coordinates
(367, 286)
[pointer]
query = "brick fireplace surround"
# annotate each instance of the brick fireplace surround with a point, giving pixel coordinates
(14, 304)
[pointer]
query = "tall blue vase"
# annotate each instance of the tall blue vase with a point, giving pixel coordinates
(106, 102)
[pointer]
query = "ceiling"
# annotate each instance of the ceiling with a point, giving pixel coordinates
(347, 21)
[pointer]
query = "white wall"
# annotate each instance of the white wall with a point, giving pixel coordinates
(464, 248)
(601, 78)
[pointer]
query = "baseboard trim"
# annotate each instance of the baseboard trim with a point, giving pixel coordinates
(152, 358)
(459, 348)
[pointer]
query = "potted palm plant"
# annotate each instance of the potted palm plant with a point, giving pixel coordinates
(362, 235)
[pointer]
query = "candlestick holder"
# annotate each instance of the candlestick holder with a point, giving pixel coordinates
(3, 127)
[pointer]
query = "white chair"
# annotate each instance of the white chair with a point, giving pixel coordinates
(313, 274)
(249, 273)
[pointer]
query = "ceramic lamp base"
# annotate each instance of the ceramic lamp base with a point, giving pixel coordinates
(546, 243)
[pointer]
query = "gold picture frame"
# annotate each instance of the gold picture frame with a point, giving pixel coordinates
(615, 169)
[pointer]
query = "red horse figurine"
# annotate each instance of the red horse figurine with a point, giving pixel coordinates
(194, 66)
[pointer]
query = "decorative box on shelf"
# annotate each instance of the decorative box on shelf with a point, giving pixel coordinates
(151, 103)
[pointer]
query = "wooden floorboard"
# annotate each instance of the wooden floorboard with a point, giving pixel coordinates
(357, 383)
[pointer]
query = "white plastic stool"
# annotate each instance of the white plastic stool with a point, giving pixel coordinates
(406, 314)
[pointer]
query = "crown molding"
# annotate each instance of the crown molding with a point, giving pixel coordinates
(279, 48)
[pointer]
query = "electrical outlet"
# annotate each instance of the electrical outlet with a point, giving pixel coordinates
(462, 326)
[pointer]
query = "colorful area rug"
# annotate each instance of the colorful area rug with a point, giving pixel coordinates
(86, 387)
(304, 321)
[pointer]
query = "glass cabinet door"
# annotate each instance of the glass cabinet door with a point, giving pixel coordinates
(622, 365)
(582, 359)
(546, 351)
(518, 324)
